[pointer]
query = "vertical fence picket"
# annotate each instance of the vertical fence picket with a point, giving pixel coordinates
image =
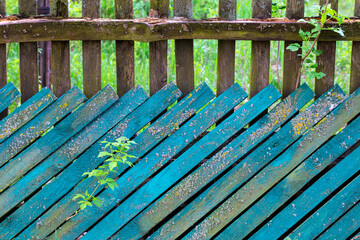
(60, 53)
(226, 50)
(29, 82)
(158, 49)
(355, 57)
(260, 51)
(326, 61)
(124, 51)
(184, 50)
(292, 62)
(3, 58)
(91, 53)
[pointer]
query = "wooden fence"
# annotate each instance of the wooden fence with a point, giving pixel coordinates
(156, 29)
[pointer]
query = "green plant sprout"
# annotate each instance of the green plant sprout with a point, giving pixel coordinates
(116, 153)
(308, 59)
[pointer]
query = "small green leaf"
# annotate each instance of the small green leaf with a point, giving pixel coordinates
(292, 47)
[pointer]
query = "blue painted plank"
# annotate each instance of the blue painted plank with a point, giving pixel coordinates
(153, 162)
(329, 212)
(289, 216)
(27, 111)
(277, 169)
(71, 175)
(290, 185)
(70, 150)
(8, 94)
(62, 132)
(201, 149)
(264, 154)
(39, 124)
(345, 226)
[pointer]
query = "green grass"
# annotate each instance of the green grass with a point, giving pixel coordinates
(205, 51)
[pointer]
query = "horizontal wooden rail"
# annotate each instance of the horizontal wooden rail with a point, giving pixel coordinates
(154, 29)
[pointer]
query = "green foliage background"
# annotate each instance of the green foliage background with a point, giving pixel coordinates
(205, 51)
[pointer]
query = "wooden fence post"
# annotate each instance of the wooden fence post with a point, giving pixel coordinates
(184, 50)
(124, 51)
(158, 49)
(3, 58)
(355, 57)
(292, 62)
(226, 50)
(91, 53)
(29, 82)
(326, 61)
(60, 53)
(260, 51)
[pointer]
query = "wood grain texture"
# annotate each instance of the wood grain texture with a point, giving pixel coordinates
(8, 94)
(226, 50)
(145, 30)
(27, 111)
(62, 132)
(60, 53)
(329, 212)
(65, 154)
(355, 57)
(184, 50)
(29, 82)
(91, 53)
(311, 197)
(289, 186)
(156, 212)
(72, 175)
(158, 49)
(292, 62)
(125, 63)
(345, 226)
(294, 155)
(326, 61)
(176, 142)
(155, 133)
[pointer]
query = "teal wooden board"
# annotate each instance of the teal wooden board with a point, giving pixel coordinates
(40, 124)
(8, 94)
(344, 227)
(70, 150)
(155, 160)
(317, 192)
(194, 101)
(290, 185)
(62, 132)
(329, 212)
(240, 173)
(21, 115)
(155, 213)
(71, 175)
(277, 169)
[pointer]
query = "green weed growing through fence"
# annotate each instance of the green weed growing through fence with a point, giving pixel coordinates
(116, 153)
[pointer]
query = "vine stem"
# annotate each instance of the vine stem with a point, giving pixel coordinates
(312, 46)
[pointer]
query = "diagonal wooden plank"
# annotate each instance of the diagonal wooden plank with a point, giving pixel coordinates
(155, 160)
(309, 199)
(199, 151)
(63, 183)
(62, 132)
(27, 111)
(8, 95)
(329, 212)
(263, 154)
(39, 124)
(70, 150)
(345, 226)
(290, 185)
(277, 169)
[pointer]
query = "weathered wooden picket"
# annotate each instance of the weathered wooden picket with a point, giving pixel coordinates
(285, 175)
